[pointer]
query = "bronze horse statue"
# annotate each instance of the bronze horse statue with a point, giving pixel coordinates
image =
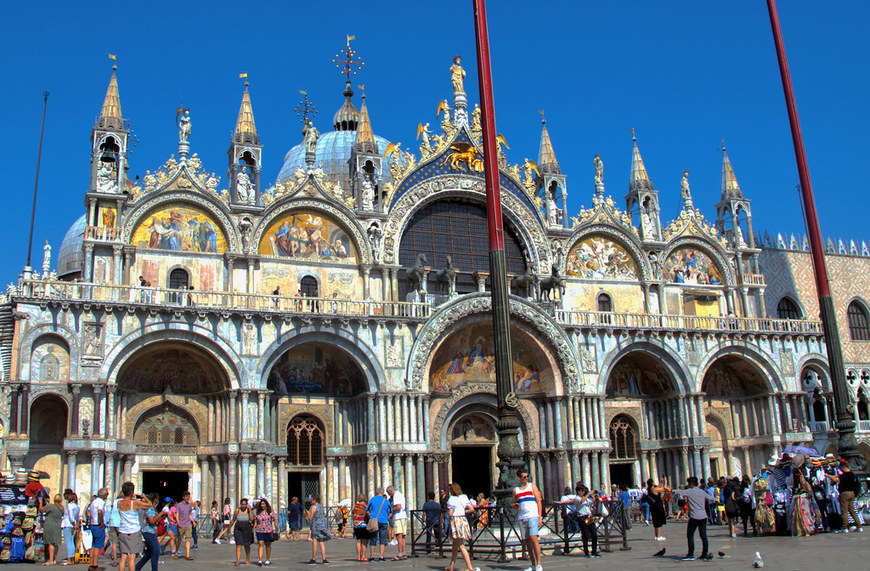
(416, 273)
(554, 282)
(447, 276)
(526, 281)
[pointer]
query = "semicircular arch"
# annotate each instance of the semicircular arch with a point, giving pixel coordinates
(525, 223)
(613, 269)
(456, 406)
(27, 343)
(189, 206)
(436, 329)
(311, 212)
(354, 345)
(673, 364)
(694, 247)
(176, 332)
(764, 366)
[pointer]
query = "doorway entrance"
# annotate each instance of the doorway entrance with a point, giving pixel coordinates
(167, 483)
(622, 475)
(302, 485)
(472, 469)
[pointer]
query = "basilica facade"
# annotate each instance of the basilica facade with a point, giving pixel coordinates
(330, 330)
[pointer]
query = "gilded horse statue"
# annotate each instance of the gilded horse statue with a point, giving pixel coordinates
(554, 282)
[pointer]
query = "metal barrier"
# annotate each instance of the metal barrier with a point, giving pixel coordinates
(495, 533)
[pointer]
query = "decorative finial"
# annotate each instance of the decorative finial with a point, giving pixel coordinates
(723, 144)
(543, 119)
(633, 136)
(348, 60)
(244, 75)
(362, 87)
(305, 109)
(114, 59)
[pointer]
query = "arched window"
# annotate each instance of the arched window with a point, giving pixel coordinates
(623, 438)
(605, 305)
(178, 277)
(787, 309)
(308, 285)
(858, 328)
(305, 441)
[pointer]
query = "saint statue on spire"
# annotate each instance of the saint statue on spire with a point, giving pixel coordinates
(457, 76)
(685, 191)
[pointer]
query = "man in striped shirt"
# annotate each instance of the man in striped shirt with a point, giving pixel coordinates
(527, 501)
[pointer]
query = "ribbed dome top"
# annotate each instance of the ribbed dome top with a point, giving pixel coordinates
(347, 117)
(70, 258)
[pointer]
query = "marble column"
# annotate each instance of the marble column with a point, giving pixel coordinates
(605, 469)
(261, 416)
(705, 464)
(282, 482)
(203, 484)
(586, 470)
(655, 474)
(71, 470)
(110, 412)
(747, 463)
(109, 480)
(410, 482)
(697, 466)
(420, 480)
(95, 472)
(97, 430)
(576, 474)
(261, 475)
(232, 424)
(75, 425)
(382, 426)
(246, 473)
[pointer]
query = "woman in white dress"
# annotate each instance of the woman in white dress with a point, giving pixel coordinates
(458, 507)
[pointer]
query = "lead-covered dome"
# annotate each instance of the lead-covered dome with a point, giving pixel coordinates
(71, 257)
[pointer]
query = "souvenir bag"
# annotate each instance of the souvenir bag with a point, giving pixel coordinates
(601, 509)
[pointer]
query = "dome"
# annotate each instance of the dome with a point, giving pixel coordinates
(333, 156)
(70, 258)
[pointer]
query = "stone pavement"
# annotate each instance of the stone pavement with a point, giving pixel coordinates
(826, 551)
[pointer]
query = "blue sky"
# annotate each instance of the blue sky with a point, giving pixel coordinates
(683, 74)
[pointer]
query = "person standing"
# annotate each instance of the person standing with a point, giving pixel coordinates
(243, 533)
(379, 509)
(697, 500)
(584, 502)
(319, 529)
(70, 524)
(400, 520)
(194, 518)
(848, 486)
(657, 507)
(266, 522)
(216, 524)
(432, 509)
(98, 527)
(527, 501)
(172, 526)
(458, 508)
(360, 527)
(51, 529)
(129, 530)
(294, 517)
(183, 511)
(226, 520)
(149, 534)
(112, 522)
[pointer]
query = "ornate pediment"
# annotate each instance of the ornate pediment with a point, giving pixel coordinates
(692, 223)
(604, 211)
(173, 175)
(306, 184)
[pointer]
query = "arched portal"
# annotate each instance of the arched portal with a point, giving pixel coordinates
(47, 430)
(737, 390)
(472, 444)
(624, 439)
(177, 367)
(316, 367)
(306, 441)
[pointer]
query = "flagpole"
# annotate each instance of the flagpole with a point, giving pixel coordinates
(509, 451)
(847, 446)
(27, 268)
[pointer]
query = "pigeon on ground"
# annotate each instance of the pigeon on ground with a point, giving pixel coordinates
(758, 561)
(721, 555)
(660, 553)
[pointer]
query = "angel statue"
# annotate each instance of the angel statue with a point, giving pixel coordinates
(183, 119)
(423, 133)
(457, 76)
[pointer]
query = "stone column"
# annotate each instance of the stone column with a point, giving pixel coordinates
(705, 463)
(246, 475)
(232, 425)
(342, 478)
(604, 458)
(109, 480)
(587, 472)
(420, 481)
(382, 420)
(96, 430)
(71, 470)
(584, 421)
(95, 472)
(110, 412)
(75, 425)
(25, 410)
(575, 469)
(697, 466)
(14, 409)
(261, 475)
(261, 414)
(214, 465)
(203, 484)
(427, 437)
(654, 466)
(282, 482)
(128, 468)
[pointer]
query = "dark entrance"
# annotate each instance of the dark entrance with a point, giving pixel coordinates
(622, 475)
(472, 469)
(302, 485)
(167, 483)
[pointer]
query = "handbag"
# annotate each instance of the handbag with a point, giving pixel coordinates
(601, 509)
(373, 522)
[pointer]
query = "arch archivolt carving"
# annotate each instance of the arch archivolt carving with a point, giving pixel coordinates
(710, 249)
(191, 405)
(340, 215)
(471, 394)
(751, 354)
(676, 367)
(37, 391)
(222, 352)
(435, 329)
(523, 220)
(209, 204)
(617, 235)
(25, 347)
(634, 413)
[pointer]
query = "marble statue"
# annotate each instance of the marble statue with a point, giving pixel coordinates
(184, 126)
(599, 171)
(552, 218)
(476, 126)
(375, 235)
(244, 187)
(46, 259)
(457, 76)
(106, 178)
(311, 135)
(368, 192)
(424, 134)
(684, 189)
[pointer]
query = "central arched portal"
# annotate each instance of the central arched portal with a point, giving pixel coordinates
(473, 446)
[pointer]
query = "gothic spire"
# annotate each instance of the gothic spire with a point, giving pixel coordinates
(246, 130)
(110, 115)
(730, 188)
(639, 179)
(365, 138)
(546, 156)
